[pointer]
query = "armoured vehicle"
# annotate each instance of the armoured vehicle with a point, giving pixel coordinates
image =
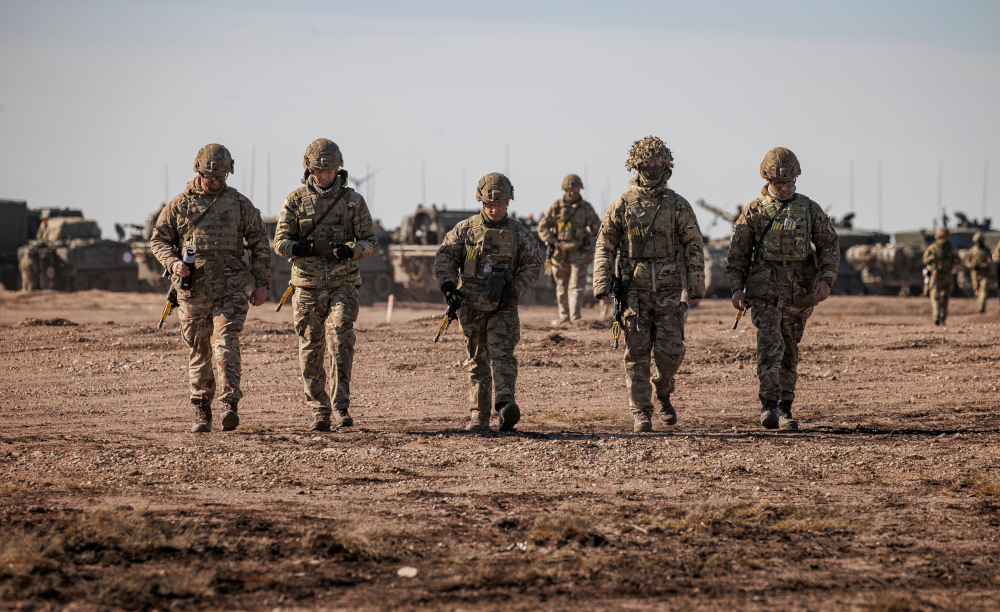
(888, 269)
(70, 255)
(18, 225)
(415, 243)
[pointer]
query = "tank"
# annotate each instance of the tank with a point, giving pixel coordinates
(69, 254)
(888, 269)
(415, 243)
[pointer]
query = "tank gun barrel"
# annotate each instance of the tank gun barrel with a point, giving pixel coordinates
(716, 210)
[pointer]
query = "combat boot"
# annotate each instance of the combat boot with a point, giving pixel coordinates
(202, 417)
(344, 418)
(559, 322)
(769, 415)
(785, 420)
(321, 423)
(230, 420)
(510, 414)
(642, 423)
(666, 412)
(478, 424)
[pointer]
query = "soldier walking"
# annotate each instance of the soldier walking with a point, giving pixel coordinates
(569, 228)
(774, 271)
(655, 233)
(485, 265)
(325, 228)
(979, 261)
(940, 258)
(214, 224)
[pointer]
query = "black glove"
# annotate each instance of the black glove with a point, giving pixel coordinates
(494, 286)
(452, 295)
(303, 248)
(342, 251)
(508, 287)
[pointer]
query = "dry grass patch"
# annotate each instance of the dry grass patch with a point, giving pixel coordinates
(889, 603)
(986, 483)
(740, 520)
(564, 529)
(361, 542)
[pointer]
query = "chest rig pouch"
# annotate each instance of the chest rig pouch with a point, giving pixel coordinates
(492, 253)
(570, 227)
(639, 214)
(219, 231)
(788, 237)
(335, 228)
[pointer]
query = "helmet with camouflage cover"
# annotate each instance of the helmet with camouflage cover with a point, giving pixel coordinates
(650, 149)
(780, 165)
(942, 233)
(322, 154)
(494, 187)
(213, 159)
(572, 181)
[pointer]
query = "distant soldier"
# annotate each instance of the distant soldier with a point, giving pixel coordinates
(325, 228)
(655, 233)
(28, 263)
(569, 228)
(215, 223)
(940, 258)
(979, 262)
(485, 265)
(774, 271)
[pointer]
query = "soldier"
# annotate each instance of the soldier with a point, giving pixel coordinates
(770, 258)
(940, 258)
(28, 264)
(216, 224)
(325, 228)
(569, 228)
(655, 233)
(485, 265)
(979, 261)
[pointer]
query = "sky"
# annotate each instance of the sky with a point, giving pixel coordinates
(104, 104)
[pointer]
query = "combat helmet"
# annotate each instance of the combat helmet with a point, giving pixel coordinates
(214, 159)
(322, 154)
(571, 181)
(942, 233)
(494, 187)
(780, 165)
(650, 149)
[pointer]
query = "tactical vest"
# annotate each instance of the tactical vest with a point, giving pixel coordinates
(789, 237)
(657, 265)
(219, 233)
(571, 225)
(493, 248)
(337, 226)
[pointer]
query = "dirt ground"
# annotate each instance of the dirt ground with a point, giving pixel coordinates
(887, 499)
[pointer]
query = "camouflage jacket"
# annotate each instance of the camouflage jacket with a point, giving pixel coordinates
(770, 275)
(572, 227)
(675, 249)
(979, 259)
(940, 257)
(466, 259)
(219, 241)
(350, 223)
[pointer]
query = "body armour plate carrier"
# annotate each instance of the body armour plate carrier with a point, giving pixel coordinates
(335, 228)
(219, 233)
(494, 249)
(788, 238)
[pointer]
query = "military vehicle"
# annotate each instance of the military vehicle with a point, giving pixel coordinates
(69, 254)
(18, 225)
(415, 243)
(888, 269)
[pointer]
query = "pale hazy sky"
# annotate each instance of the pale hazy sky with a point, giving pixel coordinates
(97, 97)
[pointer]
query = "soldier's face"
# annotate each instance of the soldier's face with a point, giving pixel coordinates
(325, 177)
(783, 190)
(496, 210)
(212, 183)
(572, 193)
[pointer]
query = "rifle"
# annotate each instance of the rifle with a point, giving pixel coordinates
(739, 315)
(171, 301)
(618, 295)
(284, 298)
(449, 316)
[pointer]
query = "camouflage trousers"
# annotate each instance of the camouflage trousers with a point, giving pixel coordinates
(940, 291)
(979, 287)
(211, 329)
(491, 338)
(779, 331)
(571, 279)
(324, 322)
(654, 326)
(29, 273)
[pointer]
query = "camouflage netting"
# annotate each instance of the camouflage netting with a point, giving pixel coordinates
(649, 149)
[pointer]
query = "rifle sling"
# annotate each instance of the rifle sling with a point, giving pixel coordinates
(767, 230)
(343, 192)
(190, 232)
(642, 248)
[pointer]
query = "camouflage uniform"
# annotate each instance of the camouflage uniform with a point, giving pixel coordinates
(780, 281)
(940, 257)
(213, 312)
(326, 300)
(28, 264)
(571, 227)
(979, 261)
(472, 252)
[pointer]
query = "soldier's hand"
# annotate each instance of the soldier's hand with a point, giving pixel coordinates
(738, 302)
(452, 295)
(822, 291)
(602, 297)
(258, 296)
(342, 251)
(303, 248)
(180, 269)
